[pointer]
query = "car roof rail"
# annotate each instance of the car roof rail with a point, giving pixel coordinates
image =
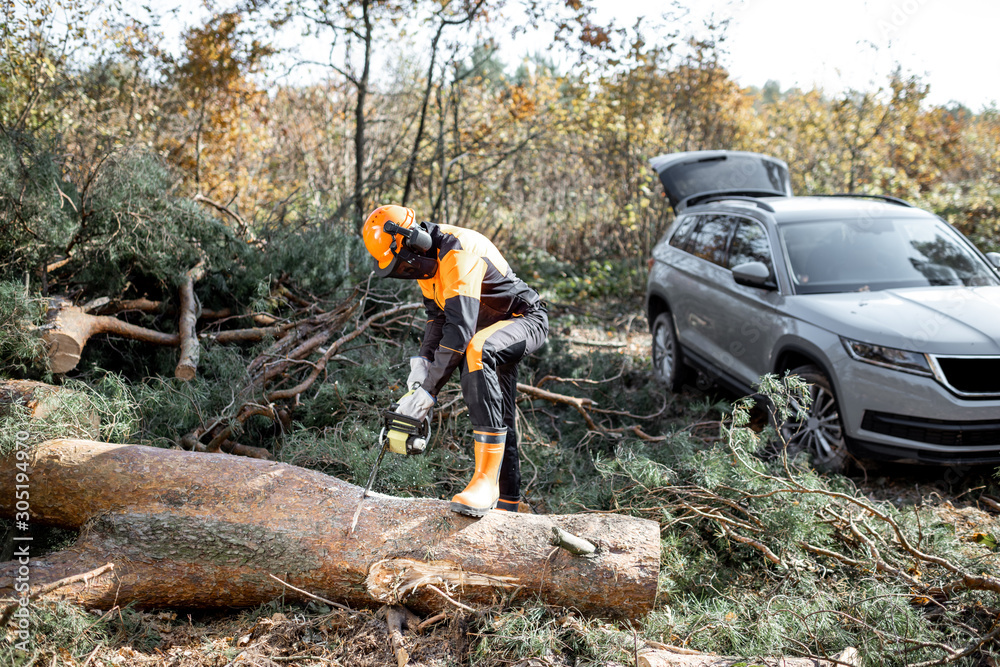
(861, 195)
(760, 204)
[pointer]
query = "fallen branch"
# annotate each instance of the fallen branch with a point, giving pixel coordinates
(397, 619)
(243, 228)
(992, 504)
(336, 605)
(70, 328)
(84, 577)
(449, 598)
(571, 543)
(596, 343)
(756, 544)
(188, 364)
(579, 403)
(440, 616)
(333, 349)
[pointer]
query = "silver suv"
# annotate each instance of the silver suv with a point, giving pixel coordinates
(890, 314)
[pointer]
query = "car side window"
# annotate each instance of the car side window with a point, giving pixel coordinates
(750, 244)
(680, 237)
(709, 240)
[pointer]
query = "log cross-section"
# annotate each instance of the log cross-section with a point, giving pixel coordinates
(205, 530)
(70, 327)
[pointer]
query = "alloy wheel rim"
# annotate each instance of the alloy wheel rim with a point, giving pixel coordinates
(820, 431)
(663, 352)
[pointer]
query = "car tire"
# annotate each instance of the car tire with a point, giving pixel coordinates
(668, 360)
(821, 433)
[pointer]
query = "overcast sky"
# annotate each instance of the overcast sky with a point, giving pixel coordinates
(952, 44)
(834, 45)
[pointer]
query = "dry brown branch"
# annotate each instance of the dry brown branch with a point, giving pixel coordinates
(574, 381)
(579, 403)
(252, 335)
(447, 597)
(336, 605)
(243, 229)
(639, 433)
(292, 392)
(236, 449)
(671, 648)
(293, 343)
(597, 343)
(432, 620)
(756, 544)
(397, 619)
(106, 306)
(974, 646)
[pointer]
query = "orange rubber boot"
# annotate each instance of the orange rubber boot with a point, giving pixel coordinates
(482, 493)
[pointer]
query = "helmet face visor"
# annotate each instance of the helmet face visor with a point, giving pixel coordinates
(407, 265)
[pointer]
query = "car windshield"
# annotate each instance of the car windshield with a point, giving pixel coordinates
(878, 254)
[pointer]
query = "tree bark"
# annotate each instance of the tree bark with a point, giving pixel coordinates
(70, 327)
(414, 154)
(359, 114)
(187, 366)
(207, 530)
(670, 658)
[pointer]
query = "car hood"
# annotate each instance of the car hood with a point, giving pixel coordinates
(936, 320)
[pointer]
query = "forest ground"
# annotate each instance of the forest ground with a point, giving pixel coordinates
(291, 634)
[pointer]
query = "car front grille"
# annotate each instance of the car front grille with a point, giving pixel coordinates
(977, 377)
(934, 431)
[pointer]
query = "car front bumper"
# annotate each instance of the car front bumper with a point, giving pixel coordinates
(890, 414)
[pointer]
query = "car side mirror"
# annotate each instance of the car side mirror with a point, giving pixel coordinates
(994, 258)
(754, 274)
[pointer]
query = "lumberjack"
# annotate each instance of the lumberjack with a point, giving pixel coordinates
(481, 316)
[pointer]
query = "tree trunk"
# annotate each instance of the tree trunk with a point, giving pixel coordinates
(411, 166)
(207, 530)
(359, 115)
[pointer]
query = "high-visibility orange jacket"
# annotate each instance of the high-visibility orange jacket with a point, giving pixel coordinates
(473, 288)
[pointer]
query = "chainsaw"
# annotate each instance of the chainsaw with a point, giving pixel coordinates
(401, 435)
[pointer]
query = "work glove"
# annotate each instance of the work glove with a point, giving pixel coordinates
(418, 372)
(416, 404)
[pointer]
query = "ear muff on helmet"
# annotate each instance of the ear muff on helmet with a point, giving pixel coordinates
(410, 265)
(386, 233)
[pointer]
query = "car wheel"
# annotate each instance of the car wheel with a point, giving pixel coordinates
(821, 432)
(668, 362)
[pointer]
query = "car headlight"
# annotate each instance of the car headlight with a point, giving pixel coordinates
(889, 357)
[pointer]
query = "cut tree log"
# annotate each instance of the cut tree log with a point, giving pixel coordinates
(70, 327)
(207, 530)
(187, 366)
(672, 658)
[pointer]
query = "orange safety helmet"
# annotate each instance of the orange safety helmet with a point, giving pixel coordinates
(391, 236)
